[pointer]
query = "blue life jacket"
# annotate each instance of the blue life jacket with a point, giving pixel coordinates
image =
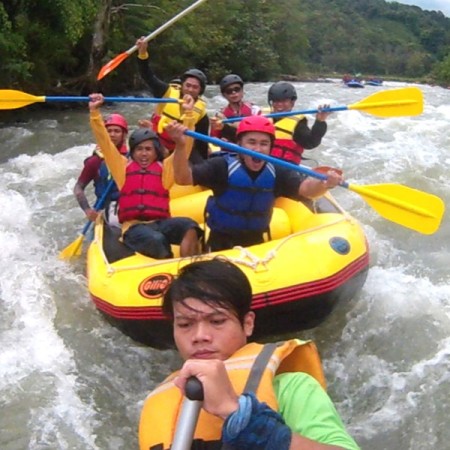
(247, 204)
(102, 181)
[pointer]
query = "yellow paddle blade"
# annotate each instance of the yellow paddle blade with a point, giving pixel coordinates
(406, 206)
(73, 249)
(392, 103)
(11, 99)
(111, 65)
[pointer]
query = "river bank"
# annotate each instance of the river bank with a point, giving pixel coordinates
(332, 77)
(25, 113)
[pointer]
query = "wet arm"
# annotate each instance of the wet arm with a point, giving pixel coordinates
(312, 188)
(202, 127)
(181, 167)
(80, 195)
(114, 160)
(87, 175)
(291, 184)
(185, 144)
(157, 86)
(309, 138)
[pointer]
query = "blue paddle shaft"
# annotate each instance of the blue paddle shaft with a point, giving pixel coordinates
(245, 151)
(291, 113)
(99, 204)
(114, 99)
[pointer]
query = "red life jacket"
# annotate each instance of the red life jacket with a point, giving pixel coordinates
(143, 196)
(123, 149)
(245, 109)
(284, 146)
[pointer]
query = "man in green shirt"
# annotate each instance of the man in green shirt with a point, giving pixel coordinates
(255, 396)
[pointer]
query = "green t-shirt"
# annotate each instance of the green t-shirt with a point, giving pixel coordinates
(308, 411)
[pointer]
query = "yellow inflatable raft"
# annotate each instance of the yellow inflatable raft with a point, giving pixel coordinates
(316, 256)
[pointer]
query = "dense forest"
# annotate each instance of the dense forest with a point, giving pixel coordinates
(59, 45)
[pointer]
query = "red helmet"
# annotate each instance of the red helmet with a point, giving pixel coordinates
(118, 120)
(256, 123)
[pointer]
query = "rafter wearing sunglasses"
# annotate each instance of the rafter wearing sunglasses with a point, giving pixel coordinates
(233, 90)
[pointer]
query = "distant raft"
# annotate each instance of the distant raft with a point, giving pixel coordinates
(354, 84)
(314, 257)
(373, 82)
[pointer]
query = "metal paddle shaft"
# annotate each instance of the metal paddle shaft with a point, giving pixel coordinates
(400, 204)
(167, 24)
(390, 103)
(111, 65)
(188, 418)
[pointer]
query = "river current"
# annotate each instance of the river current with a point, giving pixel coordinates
(70, 381)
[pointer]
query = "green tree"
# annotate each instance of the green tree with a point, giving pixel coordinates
(441, 70)
(42, 35)
(60, 45)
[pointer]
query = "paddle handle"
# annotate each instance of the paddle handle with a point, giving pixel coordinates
(166, 25)
(238, 149)
(291, 113)
(98, 205)
(113, 99)
(188, 418)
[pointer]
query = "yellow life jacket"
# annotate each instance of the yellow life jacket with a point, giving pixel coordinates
(160, 106)
(173, 111)
(161, 408)
(284, 128)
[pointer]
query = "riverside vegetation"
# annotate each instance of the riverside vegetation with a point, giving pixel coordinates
(58, 46)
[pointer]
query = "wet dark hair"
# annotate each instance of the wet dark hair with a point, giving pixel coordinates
(216, 282)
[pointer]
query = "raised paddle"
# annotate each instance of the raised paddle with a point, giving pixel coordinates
(390, 103)
(188, 417)
(11, 99)
(74, 248)
(111, 65)
(403, 205)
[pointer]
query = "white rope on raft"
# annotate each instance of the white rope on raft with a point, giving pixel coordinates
(246, 258)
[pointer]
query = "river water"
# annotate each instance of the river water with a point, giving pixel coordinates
(68, 380)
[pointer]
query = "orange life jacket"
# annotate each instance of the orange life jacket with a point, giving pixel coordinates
(161, 408)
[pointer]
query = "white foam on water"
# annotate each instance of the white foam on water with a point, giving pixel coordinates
(71, 381)
(37, 369)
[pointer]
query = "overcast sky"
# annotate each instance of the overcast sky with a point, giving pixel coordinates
(431, 5)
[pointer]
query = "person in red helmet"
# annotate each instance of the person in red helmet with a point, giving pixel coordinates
(143, 182)
(292, 134)
(193, 84)
(232, 88)
(95, 170)
(244, 187)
